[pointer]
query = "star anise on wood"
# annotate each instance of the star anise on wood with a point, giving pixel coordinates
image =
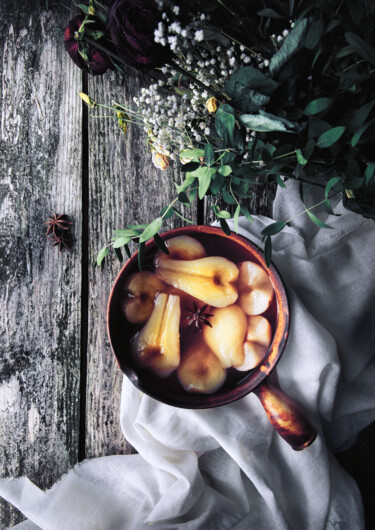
(61, 240)
(58, 229)
(198, 317)
(57, 222)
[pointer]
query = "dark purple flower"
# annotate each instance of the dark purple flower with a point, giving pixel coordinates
(131, 24)
(96, 61)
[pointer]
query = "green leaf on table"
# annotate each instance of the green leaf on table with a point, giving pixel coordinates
(225, 227)
(235, 217)
(209, 154)
(330, 137)
(224, 122)
(357, 44)
(151, 229)
(316, 106)
(290, 46)
(160, 244)
(121, 241)
(101, 255)
(273, 228)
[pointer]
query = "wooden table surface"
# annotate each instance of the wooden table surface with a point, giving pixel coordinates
(59, 384)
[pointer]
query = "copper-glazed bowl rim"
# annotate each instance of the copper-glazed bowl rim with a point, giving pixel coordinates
(250, 381)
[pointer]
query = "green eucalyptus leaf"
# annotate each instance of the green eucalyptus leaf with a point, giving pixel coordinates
(160, 244)
(301, 159)
(261, 123)
(330, 137)
(370, 172)
(205, 176)
(330, 184)
(118, 254)
(224, 122)
(251, 78)
(121, 241)
(128, 251)
(101, 255)
(291, 45)
(268, 251)
(361, 115)
(190, 166)
(225, 227)
(273, 228)
(357, 44)
(235, 217)
(280, 181)
(141, 255)
(357, 136)
(192, 154)
(126, 232)
(183, 198)
(247, 214)
(228, 197)
(268, 12)
(223, 214)
(314, 34)
(225, 170)
(166, 213)
(217, 183)
(209, 154)
(317, 221)
(151, 229)
(316, 106)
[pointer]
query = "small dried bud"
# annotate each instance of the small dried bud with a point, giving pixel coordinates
(89, 102)
(211, 105)
(160, 161)
(122, 119)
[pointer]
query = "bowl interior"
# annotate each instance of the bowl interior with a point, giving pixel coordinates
(168, 390)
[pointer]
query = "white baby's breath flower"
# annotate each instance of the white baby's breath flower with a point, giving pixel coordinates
(199, 35)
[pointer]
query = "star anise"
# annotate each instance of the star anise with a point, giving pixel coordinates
(198, 317)
(61, 240)
(57, 222)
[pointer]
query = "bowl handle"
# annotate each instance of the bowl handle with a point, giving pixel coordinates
(285, 416)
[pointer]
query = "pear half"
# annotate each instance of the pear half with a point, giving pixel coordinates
(255, 287)
(258, 340)
(200, 370)
(211, 279)
(157, 345)
(141, 289)
(182, 247)
(227, 335)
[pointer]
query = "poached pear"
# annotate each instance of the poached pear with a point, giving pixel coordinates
(211, 279)
(157, 344)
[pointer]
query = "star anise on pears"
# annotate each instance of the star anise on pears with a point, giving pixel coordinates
(197, 317)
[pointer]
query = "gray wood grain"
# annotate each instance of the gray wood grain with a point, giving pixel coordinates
(40, 167)
(125, 188)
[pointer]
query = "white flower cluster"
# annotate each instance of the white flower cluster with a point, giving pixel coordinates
(171, 121)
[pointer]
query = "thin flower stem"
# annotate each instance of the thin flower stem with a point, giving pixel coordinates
(310, 208)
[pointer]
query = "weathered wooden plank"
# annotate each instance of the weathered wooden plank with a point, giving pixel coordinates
(40, 172)
(125, 187)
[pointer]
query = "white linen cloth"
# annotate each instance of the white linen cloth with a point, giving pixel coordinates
(227, 467)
